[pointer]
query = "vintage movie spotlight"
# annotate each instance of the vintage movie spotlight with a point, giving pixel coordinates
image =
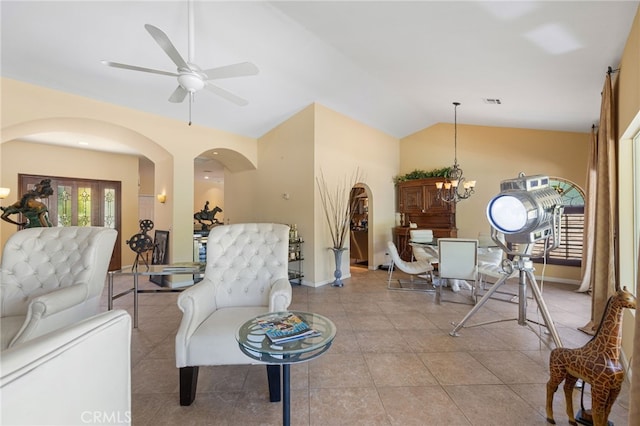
(527, 210)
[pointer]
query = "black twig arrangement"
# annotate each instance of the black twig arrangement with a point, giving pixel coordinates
(338, 206)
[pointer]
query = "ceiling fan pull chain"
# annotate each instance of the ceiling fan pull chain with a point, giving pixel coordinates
(190, 102)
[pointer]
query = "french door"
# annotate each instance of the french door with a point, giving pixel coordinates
(81, 202)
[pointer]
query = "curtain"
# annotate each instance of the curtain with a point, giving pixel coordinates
(589, 213)
(603, 271)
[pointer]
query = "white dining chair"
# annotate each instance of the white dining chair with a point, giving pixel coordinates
(457, 260)
(420, 250)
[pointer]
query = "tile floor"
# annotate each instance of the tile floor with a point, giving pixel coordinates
(392, 363)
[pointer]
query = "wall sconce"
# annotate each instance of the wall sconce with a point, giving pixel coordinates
(162, 198)
(4, 193)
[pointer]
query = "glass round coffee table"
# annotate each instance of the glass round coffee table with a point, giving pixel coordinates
(255, 344)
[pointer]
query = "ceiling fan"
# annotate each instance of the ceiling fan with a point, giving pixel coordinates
(191, 78)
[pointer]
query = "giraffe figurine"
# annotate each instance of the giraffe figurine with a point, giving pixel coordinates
(596, 363)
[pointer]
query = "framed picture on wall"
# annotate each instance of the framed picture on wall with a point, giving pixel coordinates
(160, 254)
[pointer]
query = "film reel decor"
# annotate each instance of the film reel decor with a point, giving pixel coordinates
(141, 243)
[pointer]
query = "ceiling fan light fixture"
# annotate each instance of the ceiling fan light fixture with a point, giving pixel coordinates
(190, 82)
(191, 78)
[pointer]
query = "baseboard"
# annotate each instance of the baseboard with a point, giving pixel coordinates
(324, 282)
(576, 283)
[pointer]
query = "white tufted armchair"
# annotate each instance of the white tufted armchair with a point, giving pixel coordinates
(51, 278)
(246, 275)
(76, 375)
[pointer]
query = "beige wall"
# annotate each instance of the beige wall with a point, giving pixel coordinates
(286, 167)
(492, 154)
(629, 78)
(47, 160)
(146, 172)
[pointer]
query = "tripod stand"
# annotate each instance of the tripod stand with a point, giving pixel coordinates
(525, 266)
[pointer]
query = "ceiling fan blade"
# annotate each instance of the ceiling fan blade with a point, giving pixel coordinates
(235, 70)
(166, 45)
(225, 94)
(136, 68)
(178, 95)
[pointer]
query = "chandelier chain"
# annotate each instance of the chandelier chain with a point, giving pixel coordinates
(449, 190)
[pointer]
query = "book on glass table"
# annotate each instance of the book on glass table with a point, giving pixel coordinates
(286, 328)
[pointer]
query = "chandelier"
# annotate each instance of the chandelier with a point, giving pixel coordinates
(455, 187)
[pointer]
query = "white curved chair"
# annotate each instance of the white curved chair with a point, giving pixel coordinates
(246, 275)
(417, 267)
(51, 278)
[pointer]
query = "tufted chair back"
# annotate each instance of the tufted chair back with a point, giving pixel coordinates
(52, 277)
(244, 260)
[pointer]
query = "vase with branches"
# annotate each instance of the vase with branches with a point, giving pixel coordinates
(339, 208)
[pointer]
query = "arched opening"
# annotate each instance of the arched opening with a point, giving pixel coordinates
(361, 235)
(81, 149)
(209, 170)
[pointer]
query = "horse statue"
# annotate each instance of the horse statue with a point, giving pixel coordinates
(207, 215)
(29, 205)
(596, 363)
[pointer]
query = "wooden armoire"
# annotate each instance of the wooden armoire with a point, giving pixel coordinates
(417, 202)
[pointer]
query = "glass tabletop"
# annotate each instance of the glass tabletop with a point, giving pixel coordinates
(254, 343)
(434, 243)
(173, 269)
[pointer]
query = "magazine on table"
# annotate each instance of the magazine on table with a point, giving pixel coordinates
(286, 328)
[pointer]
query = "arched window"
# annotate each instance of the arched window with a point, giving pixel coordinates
(572, 230)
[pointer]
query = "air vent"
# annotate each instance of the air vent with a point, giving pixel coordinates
(492, 101)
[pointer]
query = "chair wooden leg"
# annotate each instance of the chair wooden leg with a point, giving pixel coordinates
(273, 375)
(188, 385)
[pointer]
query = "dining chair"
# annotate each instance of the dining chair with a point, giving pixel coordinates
(418, 240)
(457, 260)
(421, 268)
(421, 235)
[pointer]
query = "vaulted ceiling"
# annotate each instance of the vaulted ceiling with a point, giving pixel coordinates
(396, 66)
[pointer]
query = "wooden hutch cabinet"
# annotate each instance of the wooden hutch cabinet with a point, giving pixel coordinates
(417, 203)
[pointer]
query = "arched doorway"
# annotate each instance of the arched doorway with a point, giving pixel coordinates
(360, 232)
